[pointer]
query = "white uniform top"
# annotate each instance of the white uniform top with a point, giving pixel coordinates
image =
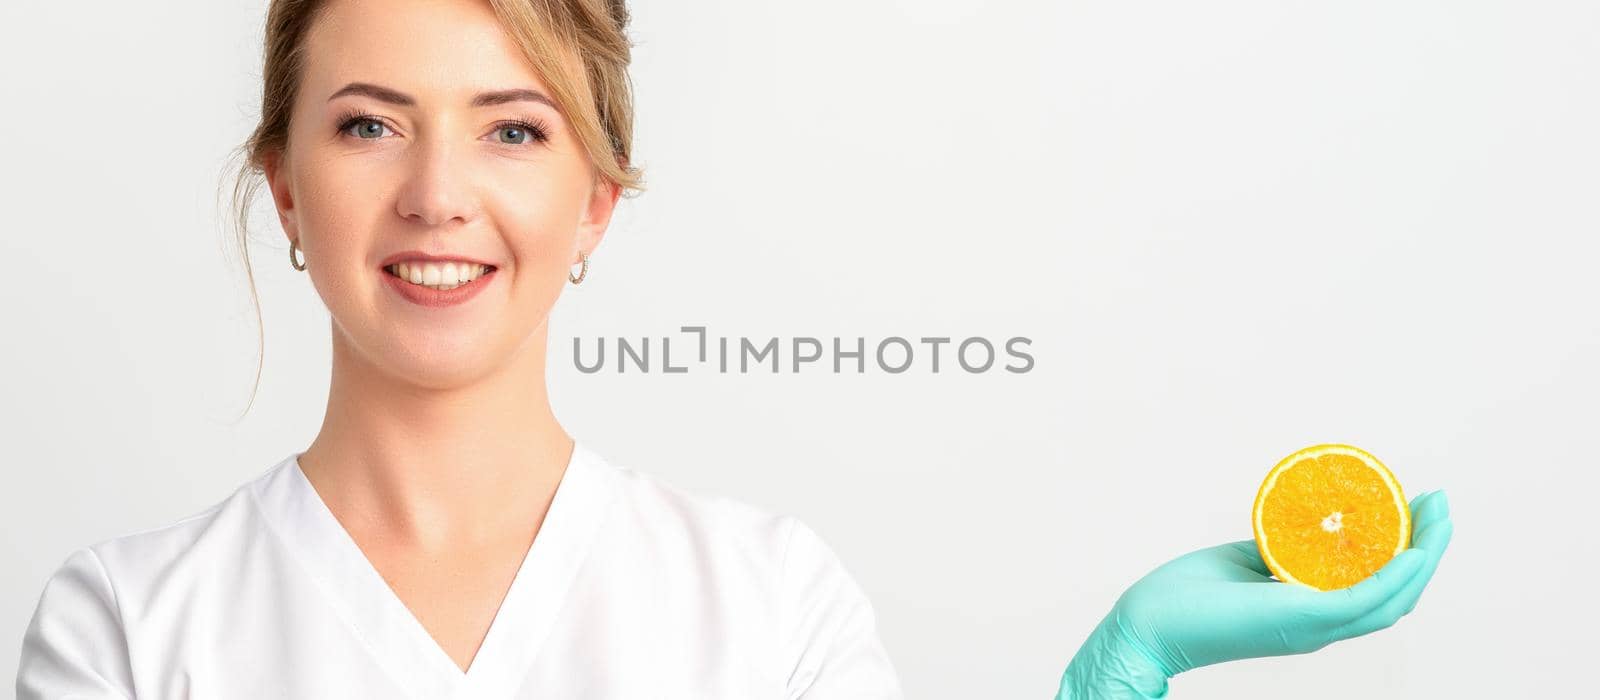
(633, 588)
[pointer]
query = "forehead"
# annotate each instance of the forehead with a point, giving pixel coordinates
(434, 49)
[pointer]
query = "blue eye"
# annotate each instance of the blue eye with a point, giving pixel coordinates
(521, 132)
(516, 132)
(367, 127)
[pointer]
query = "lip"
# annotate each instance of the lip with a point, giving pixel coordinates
(417, 255)
(437, 298)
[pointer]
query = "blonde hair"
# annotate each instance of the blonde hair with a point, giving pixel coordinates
(597, 105)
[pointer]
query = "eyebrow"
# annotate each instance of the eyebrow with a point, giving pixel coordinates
(482, 99)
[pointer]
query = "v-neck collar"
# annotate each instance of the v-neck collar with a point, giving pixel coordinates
(398, 641)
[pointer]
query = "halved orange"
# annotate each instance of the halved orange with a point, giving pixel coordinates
(1329, 516)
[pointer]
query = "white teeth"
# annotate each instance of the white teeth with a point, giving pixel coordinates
(447, 275)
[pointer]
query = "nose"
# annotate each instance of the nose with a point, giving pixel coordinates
(438, 187)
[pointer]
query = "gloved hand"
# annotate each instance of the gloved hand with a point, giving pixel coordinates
(1221, 603)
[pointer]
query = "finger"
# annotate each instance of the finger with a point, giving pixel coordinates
(1426, 510)
(1436, 508)
(1419, 505)
(1338, 607)
(1417, 501)
(1433, 540)
(1425, 507)
(1437, 540)
(1435, 535)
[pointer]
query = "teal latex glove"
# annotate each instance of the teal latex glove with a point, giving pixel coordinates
(1221, 603)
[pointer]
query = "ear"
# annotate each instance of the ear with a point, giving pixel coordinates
(602, 202)
(282, 193)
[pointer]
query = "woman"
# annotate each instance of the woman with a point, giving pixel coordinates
(437, 168)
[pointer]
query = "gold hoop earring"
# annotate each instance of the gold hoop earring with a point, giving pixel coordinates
(298, 264)
(582, 272)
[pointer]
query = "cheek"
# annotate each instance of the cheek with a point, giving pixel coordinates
(339, 211)
(542, 245)
(541, 231)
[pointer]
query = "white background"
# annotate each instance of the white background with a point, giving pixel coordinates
(1232, 229)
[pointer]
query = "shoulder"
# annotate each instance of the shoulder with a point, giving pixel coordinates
(136, 566)
(187, 546)
(76, 643)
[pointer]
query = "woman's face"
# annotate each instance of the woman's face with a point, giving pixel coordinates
(430, 152)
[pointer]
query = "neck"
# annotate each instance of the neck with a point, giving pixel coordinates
(431, 467)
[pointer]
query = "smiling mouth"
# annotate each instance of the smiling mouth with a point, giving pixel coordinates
(440, 276)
